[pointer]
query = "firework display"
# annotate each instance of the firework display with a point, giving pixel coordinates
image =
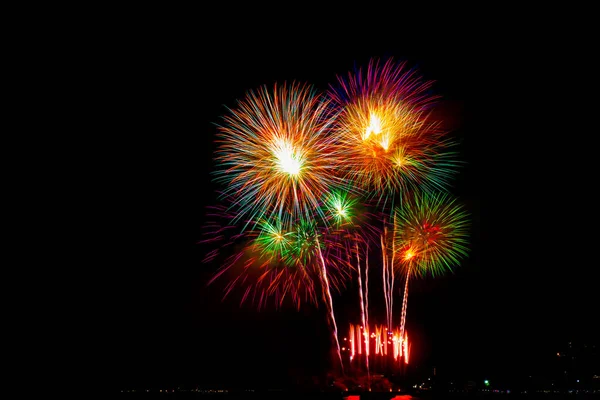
(313, 185)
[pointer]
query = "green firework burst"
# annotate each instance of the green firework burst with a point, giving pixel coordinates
(431, 233)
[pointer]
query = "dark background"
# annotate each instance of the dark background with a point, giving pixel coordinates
(527, 288)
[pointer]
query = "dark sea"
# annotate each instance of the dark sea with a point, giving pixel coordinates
(282, 395)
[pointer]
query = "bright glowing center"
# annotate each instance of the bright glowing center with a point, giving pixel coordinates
(374, 126)
(408, 255)
(376, 130)
(400, 160)
(287, 158)
(385, 142)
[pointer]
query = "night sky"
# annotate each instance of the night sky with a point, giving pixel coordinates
(525, 290)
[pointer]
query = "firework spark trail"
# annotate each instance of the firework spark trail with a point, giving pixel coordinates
(388, 279)
(329, 303)
(392, 273)
(385, 283)
(362, 305)
(367, 286)
(406, 348)
(404, 305)
(352, 343)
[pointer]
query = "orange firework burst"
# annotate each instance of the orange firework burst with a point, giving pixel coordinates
(276, 153)
(391, 142)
